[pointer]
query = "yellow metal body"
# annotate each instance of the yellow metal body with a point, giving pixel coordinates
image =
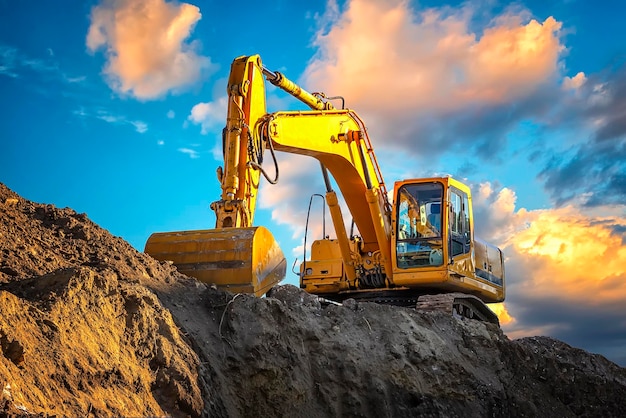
(246, 260)
(325, 271)
(431, 266)
(423, 243)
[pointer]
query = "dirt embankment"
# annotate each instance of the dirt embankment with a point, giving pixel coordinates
(91, 327)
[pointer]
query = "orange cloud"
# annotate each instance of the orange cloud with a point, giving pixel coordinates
(569, 255)
(564, 254)
(431, 60)
(503, 314)
(512, 58)
(145, 45)
(574, 83)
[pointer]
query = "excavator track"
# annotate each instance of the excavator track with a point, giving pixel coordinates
(402, 298)
(458, 304)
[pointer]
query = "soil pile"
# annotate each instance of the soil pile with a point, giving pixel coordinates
(91, 327)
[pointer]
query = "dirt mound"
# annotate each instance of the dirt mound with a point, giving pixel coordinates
(81, 331)
(91, 327)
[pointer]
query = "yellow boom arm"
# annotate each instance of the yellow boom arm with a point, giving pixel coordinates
(338, 139)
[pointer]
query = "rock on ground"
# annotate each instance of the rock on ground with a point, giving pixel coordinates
(91, 327)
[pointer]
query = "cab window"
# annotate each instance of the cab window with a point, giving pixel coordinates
(418, 227)
(460, 231)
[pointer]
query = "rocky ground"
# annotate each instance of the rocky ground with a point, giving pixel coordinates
(91, 327)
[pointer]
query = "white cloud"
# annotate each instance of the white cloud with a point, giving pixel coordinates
(107, 117)
(192, 153)
(8, 61)
(140, 126)
(288, 200)
(216, 151)
(78, 79)
(145, 45)
(7, 71)
(497, 220)
(115, 119)
(209, 115)
(13, 63)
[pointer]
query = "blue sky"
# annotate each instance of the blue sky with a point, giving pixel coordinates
(115, 109)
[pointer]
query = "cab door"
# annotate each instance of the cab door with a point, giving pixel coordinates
(418, 249)
(459, 223)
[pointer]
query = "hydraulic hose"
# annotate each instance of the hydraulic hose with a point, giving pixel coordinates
(258, 158)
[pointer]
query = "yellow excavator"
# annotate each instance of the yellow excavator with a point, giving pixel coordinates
(419, 249)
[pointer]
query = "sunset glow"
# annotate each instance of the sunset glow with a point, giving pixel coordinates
(115, 108)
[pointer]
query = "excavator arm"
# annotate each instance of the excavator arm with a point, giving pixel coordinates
(240, 256)
(235, 255)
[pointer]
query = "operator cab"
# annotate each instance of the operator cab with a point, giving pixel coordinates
(434, 246)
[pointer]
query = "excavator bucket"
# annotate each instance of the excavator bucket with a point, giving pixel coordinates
(240, 260)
